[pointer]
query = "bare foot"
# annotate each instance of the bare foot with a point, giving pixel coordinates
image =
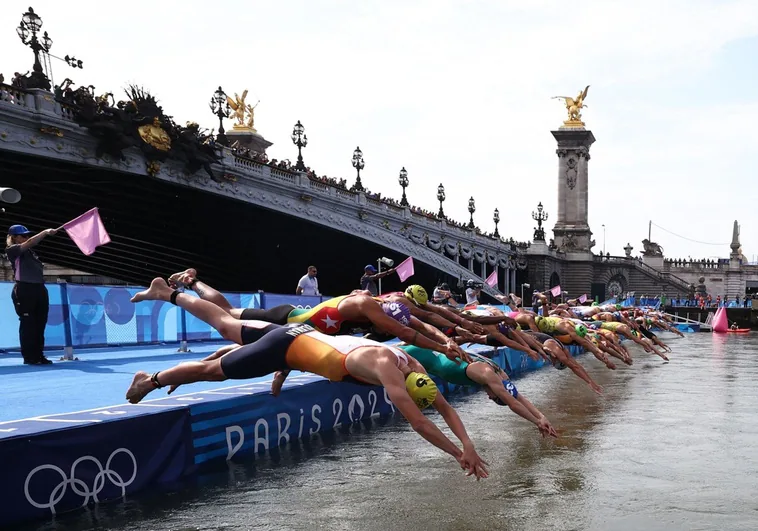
(278, 382)
(158, 291)
(183, 277)
(141, 386)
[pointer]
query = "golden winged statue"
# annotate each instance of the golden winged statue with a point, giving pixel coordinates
(574, 107)
(242, 110)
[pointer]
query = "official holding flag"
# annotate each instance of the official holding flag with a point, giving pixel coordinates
(30, 297)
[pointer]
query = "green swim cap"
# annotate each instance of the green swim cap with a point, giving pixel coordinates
(649, 321)
(581, 330)
(595, 304)
(619, 306)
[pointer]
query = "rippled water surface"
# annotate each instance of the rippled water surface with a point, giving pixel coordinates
(670, 446)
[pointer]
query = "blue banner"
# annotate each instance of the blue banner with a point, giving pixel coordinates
(256, 423)
(271, 300)
(68, 469)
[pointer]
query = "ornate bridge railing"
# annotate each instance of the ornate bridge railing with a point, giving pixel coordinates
(35, 123)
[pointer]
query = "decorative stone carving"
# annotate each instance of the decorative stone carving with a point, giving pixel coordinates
(571, 173)
(651, 248)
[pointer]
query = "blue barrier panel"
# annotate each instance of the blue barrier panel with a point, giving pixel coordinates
(271, 300)
(67, 469)
(255, 423)
(55, 331)
(198, 330)
(103, 315)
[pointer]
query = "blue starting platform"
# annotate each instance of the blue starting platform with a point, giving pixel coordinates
(68, 438)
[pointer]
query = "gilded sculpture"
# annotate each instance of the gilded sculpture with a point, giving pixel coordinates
(243, 112)
(154, 135)
(574, 107)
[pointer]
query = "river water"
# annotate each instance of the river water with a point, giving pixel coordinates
(669, 446)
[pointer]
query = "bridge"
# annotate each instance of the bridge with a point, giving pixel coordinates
(242, 223)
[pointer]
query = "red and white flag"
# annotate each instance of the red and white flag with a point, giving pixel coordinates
(87, 231)
(492, 280)
(556, 291)
(405, 269)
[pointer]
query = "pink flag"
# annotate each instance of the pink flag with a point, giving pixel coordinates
(583, 298)
(87, 231)
(405, 269)
(556, 291)
(492, 279)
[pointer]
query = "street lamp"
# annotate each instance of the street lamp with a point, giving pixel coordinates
(539, 217)
(496, 219)
(27, 31)
(441, 198)
(522, 293)
(358, 164)
(403, 180)
(603, 238)
(300, 140)
(220, 107)
(471, 210)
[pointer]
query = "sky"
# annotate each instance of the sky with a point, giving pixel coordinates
(459, 93)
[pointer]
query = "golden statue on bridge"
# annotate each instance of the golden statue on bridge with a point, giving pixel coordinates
(574, 107)
(243, 112)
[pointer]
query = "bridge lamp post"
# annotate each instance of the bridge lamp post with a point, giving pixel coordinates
(441, 198)
(471, 210)
(27, 31)
(496, 219)
(603, 238)
(539, 217)
(220, 107)
(358, 164)
(403, 180)
(300, 139)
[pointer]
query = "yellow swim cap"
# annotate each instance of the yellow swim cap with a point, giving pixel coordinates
(417, 294)
(422, 389)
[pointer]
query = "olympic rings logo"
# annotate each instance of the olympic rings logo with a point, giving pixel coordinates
(78, 485)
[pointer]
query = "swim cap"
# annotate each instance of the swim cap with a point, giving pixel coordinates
(422, 389)
(625, 313)
(398, 311)
(581, 330)
(503, 328)
(417, 294)
(595, 304)
(619, 306)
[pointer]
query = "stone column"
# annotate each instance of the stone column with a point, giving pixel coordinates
(572, 231)
(513, 280)
(507, 280)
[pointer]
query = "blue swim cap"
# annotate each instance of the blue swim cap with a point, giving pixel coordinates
(503, 328)
(398, 311)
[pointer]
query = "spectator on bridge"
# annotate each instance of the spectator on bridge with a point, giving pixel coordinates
(30, 297)
(308, 283)
(368, 280)
(443, 295)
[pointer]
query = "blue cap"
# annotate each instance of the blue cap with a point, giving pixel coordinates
(19, 230)
(370, 268)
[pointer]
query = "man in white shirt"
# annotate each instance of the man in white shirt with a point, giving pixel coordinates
(473, 291)
(308, 284)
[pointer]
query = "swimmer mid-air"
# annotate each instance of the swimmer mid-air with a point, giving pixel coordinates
(268, 348)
